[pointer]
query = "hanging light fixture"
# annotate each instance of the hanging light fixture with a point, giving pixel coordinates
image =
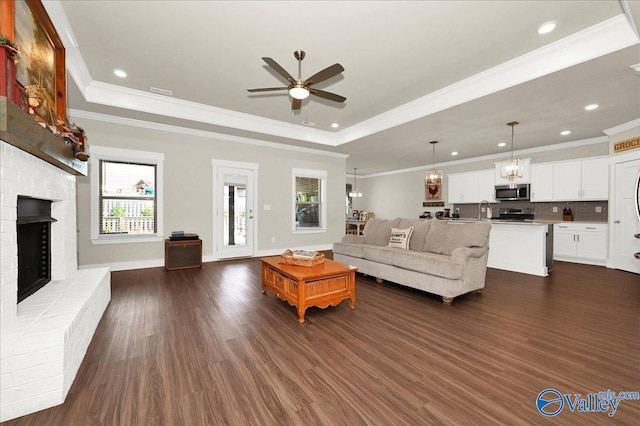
(514, 168)
(355, 193)
(434, 176)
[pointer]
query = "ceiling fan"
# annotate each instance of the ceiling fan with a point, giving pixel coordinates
(300, 89)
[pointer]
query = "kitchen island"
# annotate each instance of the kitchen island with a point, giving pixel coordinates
(519, 246)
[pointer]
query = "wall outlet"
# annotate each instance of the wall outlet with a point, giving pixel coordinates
(555, 209)
(482, 209)
(598, 209)
(273, 239)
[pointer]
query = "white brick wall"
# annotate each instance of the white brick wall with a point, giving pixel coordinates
(43, 339)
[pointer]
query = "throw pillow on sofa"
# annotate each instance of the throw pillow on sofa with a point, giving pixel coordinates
(377, 231)
(400, 238)
(444, 238)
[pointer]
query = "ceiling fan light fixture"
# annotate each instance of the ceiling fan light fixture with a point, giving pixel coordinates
(298, 91)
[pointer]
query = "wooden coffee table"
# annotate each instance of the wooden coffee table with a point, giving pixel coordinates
(302, 286)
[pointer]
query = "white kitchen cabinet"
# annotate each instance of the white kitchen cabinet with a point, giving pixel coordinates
(567, 180)
(595, 179)
(581, 242)
(526, 174)
(471, 187)
(541, 182)
(454, 189)
(486, 185)
(581, 180)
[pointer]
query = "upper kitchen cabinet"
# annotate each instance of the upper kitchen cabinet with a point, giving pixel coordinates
(486, 185)
(541, 182)
(526, 174)
(471, 187)
(581, 180)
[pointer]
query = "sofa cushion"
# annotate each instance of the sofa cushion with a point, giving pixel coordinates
(420, 231)
(379, 254)
(400, 238)
(444, 238)
(353, 250)
(429, 263)
(378, 231)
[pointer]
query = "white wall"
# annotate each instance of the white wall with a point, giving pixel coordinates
(188, 189)
(401, 194)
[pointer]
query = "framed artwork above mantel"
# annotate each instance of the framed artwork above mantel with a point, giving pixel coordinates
(41, 55)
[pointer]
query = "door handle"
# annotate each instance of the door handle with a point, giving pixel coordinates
(616, 221)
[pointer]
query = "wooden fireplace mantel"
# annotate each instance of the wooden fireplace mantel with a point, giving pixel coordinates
(20, 130)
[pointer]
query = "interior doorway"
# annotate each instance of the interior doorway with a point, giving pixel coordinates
(624, 223)
(234, 209)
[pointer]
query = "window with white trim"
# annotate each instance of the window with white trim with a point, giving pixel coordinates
(309, 200)
(126, 195)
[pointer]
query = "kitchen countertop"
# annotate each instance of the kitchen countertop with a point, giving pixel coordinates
(527, 221)
(504, 221)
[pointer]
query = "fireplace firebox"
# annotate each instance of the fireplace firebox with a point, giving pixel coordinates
(34, 245)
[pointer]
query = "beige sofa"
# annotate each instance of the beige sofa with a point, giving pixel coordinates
(444, 259)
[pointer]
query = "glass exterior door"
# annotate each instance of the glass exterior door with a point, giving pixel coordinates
(235, 213)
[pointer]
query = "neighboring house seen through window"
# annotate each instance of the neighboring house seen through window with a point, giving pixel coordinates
(309, 200)
(126, 194)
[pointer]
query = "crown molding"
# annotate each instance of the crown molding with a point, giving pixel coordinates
(81, 114)
(622, 127)
(601, 39)
(492, 157)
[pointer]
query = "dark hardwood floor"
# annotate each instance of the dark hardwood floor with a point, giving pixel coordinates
(205, 346)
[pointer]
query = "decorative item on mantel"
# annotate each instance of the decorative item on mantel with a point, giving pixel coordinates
(514, 168)
(74, 137)
(8, 58)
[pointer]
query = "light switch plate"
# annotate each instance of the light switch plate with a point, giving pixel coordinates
(267, 207)
(555, 210)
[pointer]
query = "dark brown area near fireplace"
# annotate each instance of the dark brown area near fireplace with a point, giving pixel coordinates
(34, 245)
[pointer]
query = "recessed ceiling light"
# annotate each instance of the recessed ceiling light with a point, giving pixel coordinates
(502, 144)
(591, 107)
(454, 153)
(565, 132)
(335, 125)
(120, 73)
(547, 27)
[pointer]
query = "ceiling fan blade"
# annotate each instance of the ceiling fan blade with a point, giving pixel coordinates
(327, 95)
(295, 104)
(266, 89)
(273, 64)
(325, 74)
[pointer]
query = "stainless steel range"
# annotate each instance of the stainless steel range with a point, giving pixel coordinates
(510, 213)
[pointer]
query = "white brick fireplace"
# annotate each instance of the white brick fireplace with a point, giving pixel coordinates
(44, 338)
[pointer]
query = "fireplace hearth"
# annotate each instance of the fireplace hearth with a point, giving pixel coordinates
(33, 227)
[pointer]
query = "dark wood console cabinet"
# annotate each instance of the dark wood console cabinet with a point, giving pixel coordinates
(182, 254)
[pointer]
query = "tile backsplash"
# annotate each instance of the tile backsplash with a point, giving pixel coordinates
(583, 211)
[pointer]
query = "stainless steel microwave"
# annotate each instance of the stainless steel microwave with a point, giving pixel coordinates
(516, 192)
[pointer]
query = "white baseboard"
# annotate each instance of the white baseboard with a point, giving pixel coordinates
(155, 263)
